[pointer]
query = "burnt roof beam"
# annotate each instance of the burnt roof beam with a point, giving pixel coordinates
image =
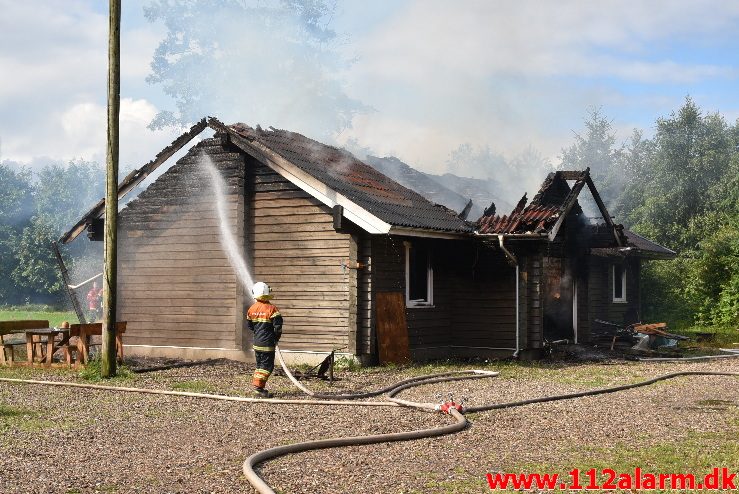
(569, 203)
(134, 178)
(604, 211)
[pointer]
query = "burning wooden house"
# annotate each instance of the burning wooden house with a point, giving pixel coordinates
(357, 262)
(576, 271)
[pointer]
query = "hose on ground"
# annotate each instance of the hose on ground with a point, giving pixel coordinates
(264, 455)
(263, 488)
(243, 399)
(731, 353)
(593, 392)
(377, 392)
(390, 392)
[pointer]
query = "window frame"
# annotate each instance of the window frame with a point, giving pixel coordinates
(429, 302)
(622, 299)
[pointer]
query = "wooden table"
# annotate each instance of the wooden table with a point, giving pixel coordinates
(86, 331)
(11, 328)
(52, 346)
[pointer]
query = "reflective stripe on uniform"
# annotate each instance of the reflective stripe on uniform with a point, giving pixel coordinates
(263, 348)
(259, 319)
(277, 313)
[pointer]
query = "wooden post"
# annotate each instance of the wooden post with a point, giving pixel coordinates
(108, 367)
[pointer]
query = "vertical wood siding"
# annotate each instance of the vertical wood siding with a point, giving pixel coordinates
(534, 327)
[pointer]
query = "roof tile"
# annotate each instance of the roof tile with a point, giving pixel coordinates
(359, 182)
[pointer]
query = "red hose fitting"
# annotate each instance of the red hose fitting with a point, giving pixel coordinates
(448, 405)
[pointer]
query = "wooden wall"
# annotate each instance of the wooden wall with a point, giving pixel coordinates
(474, 297)
(532, 326)
(366, 338)
(295, 249)
(175, 284)
(583, 301)
(600, 281)
(483, 302)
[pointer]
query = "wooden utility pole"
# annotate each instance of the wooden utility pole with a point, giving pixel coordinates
(110, 275)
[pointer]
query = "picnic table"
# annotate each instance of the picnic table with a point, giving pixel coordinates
(43, 342)
(33, 344)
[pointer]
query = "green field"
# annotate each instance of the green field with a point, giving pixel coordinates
(54, 317)
(712, 337)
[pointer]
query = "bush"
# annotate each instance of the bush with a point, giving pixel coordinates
(727, 309)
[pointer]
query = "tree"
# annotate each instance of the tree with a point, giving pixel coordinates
(634, 163)
(64, 193)
(16, 202)
(8, 263)
(16, 208)
(594, 149)
(682, 193)
(34, 211)
(691, 159)
(36, 271)
(275, 62)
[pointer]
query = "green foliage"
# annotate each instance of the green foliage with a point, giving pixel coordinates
(680, 189)
(34, 211)
(690, 163)
(15, 194)
(348, 364)
(8, 261)
(36, 269)
(63, 193)
(727, 309)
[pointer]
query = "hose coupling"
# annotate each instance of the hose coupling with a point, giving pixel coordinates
(448, 405)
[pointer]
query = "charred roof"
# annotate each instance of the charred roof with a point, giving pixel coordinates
(554, 199)
(361, 183)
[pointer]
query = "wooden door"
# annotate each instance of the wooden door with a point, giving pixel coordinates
(392, 329)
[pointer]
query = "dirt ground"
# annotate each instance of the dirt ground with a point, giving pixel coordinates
(64, 440)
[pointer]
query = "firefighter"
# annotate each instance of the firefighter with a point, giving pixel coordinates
(94, 302)
(265, 321)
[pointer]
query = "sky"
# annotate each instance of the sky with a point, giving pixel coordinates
(432, 75)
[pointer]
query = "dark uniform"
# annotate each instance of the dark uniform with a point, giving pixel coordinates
(265, 321)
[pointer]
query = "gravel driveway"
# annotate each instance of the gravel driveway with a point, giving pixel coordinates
(63, 440)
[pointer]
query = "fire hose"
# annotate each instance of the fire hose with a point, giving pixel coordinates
(454, 409)
(450, 407)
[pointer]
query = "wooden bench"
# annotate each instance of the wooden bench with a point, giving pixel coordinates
(8, 328)
(83, 332)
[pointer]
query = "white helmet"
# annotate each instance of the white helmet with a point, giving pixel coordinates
(261, 291)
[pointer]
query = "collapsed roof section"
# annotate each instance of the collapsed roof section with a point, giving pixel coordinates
(420, 182)
(546, 213)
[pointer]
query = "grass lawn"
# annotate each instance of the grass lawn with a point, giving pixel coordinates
(712, 336)
(55, 318)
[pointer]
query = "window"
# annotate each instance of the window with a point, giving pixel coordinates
(419, 276)
(619, 283)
